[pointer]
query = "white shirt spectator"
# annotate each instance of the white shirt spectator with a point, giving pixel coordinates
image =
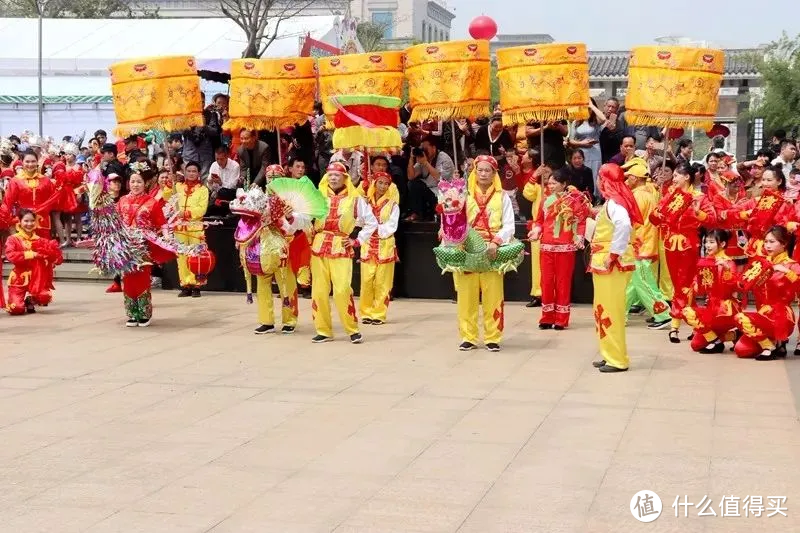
(228, 175)
(443, 163)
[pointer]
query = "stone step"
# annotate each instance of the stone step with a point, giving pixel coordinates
(77, 255)
(79, 271)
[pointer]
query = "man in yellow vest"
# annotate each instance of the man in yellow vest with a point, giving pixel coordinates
(490, 213)
(192, 203)
(332, 253)
(612, 264)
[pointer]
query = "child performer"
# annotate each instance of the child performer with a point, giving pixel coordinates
(643, 286)
(716, 279)
(560, 238)
(379, 253)
(332, 253)
(139, 210)
(34, 259)
(192, 200)
(532, 191)
(680, 215)
(765, 331)
(490, 213)
(34, 191)
(611, 265)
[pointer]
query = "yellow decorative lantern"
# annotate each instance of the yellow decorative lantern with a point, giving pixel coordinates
(266, 94)
(377, 73)
(448, 80)
(674, 86)
(156, 93)
(543, 82)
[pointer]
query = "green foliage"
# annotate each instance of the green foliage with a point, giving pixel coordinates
(85, 9)
(494, 83)
(370, 35)
(780, 69)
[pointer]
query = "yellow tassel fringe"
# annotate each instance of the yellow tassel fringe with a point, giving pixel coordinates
(263, 123)
(638, 118)
(545, 115)
(422, 112)
(168, 124)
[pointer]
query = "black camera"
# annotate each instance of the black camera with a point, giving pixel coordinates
(417, 152)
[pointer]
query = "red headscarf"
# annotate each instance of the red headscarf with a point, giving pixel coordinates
(611, 182)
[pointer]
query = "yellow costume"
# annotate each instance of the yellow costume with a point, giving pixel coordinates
(332, 255)
(379, 253)
(491, 214)
(192, 203)
(533, 193)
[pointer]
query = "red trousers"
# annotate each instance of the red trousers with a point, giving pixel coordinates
(136, 292)
(16, 299)
(556, 269)
(776, 324)
(682, 268)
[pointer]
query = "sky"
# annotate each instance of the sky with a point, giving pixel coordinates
(622, 25)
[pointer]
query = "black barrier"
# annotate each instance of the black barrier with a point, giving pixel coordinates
(416, 275)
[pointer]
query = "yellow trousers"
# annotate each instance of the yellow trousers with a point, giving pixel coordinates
(609, 316)
(377, 280)
(536, 273)
(287, 286)
(662, 274)
(474, 288)
(185, 276)
(327, 272)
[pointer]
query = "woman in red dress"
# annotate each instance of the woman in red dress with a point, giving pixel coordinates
(680, 214)
(30, 189)
(765, 331)
(34, 259)
(68, 176)
(717, 280)
(143, 213)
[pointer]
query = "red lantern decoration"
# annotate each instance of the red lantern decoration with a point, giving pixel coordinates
(483, 27)
(674, 133)
(718, 129)
(202, 265)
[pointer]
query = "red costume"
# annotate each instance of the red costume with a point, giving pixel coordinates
(773, 320)
(32, 192)
(679, 226)
(68, 184)
(559, 232)
(717, 280)
(34, 259)
(760, 214)
(143, 212)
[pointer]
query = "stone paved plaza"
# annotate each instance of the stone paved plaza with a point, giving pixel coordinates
(196, 425)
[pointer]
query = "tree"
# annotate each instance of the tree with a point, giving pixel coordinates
(780, 71)
(85, 9)
(261, 19)
(370, 35)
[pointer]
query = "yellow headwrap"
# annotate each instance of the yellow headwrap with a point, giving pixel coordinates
(393, 194)
(637, 167)
(342, 169)
(472, 180)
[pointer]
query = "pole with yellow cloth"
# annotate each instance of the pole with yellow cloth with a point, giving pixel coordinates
(542, 83)
(612, 264)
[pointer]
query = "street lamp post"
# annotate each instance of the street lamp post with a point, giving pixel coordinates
(40, 5)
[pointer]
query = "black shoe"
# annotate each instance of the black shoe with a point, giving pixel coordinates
(673, 336)
(185, 293)
(780, 351)
(598, 364)
(650, 320)
(195, 293)
(144, 323)
(636, 310)
(535, 302)
(559, 328)
(264, 329)
(797, 350)
(29, 307)
(319, 339)
(660, 325)
(717, 347)
(466, 346)
(766, 355)
(287, 330)
(607, 369)
(378, 322)
(356, 338)
(545, 326)
(367, 321)
(305, 293)
(132, 323)
(493, 347)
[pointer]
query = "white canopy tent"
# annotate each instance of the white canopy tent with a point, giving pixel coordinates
(76, 54)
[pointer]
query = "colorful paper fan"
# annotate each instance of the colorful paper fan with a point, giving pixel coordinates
(367, 122)
(302, 195)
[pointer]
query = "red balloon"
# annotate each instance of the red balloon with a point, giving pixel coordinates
(483, 27)
(675, 133)
(202, 265)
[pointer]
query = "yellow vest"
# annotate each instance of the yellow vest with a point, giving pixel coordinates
(533, 193)
(330, 234)
(601, 246)
(191, 208)
(485, 212)
(377, 250)
(647, 240)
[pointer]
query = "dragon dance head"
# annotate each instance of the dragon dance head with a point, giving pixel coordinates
(256, 210)
(97, 186)
(452, 196)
